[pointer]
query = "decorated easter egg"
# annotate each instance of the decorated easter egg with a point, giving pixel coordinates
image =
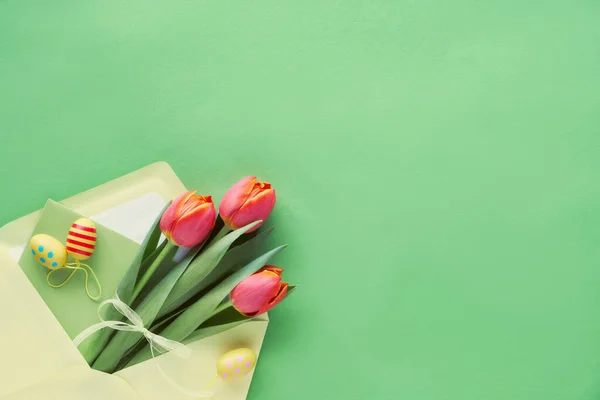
(81, 240)
(236, 363)
(48, 251)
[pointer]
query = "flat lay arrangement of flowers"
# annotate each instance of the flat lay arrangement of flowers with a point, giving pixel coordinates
(199, 271)
(198, 274)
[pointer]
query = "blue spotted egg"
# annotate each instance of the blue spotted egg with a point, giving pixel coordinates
(48, 251)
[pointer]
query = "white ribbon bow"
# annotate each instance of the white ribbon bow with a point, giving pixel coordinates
(156, 341)
(136, 325)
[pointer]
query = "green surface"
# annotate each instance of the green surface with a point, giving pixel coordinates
(70, 303)
(436, 164)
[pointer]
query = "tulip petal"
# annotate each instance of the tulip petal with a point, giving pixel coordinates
(258, 188)
(256, 208)
(255, 291)
(276, 299)
(188, 203)
(172, 213)
(195, 226)
(235, 197)
(272, 268)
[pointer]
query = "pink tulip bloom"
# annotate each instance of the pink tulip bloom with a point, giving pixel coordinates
(259, 292)
(189, 219)
(247, 201)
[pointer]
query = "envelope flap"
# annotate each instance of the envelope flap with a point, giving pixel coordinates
(195, 374)
(77, 383)
(32, 342)
(41, 354)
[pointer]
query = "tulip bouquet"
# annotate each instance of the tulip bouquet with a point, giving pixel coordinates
(208, 276)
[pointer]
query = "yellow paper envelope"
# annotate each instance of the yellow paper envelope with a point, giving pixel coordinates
(39, 361)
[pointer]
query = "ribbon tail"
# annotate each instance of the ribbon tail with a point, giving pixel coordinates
(95, 328)
(179, 349)
(205, 394)
(155, 341)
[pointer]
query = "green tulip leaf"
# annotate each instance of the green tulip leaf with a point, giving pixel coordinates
(93, 346)
(235, 258)
(150, 259)
(203, 333)
(153, 299)
(125, 289)
(200, 268)
(147, 310)
(197, 335)
(202, 309)
(225, 320)
(193, 316)
(226, 313)
(151, 241)
(164, 268)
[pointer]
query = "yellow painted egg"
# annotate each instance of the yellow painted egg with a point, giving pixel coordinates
(81, 240)
(48, 251)
(236, 363)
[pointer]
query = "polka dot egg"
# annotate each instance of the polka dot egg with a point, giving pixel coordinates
(236, 363)
(48, 251)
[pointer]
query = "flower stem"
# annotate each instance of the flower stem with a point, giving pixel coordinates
(151, 269)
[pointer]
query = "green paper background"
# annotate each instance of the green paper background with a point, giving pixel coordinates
(437, 166)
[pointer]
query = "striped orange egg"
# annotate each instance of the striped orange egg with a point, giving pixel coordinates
(81, 240)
